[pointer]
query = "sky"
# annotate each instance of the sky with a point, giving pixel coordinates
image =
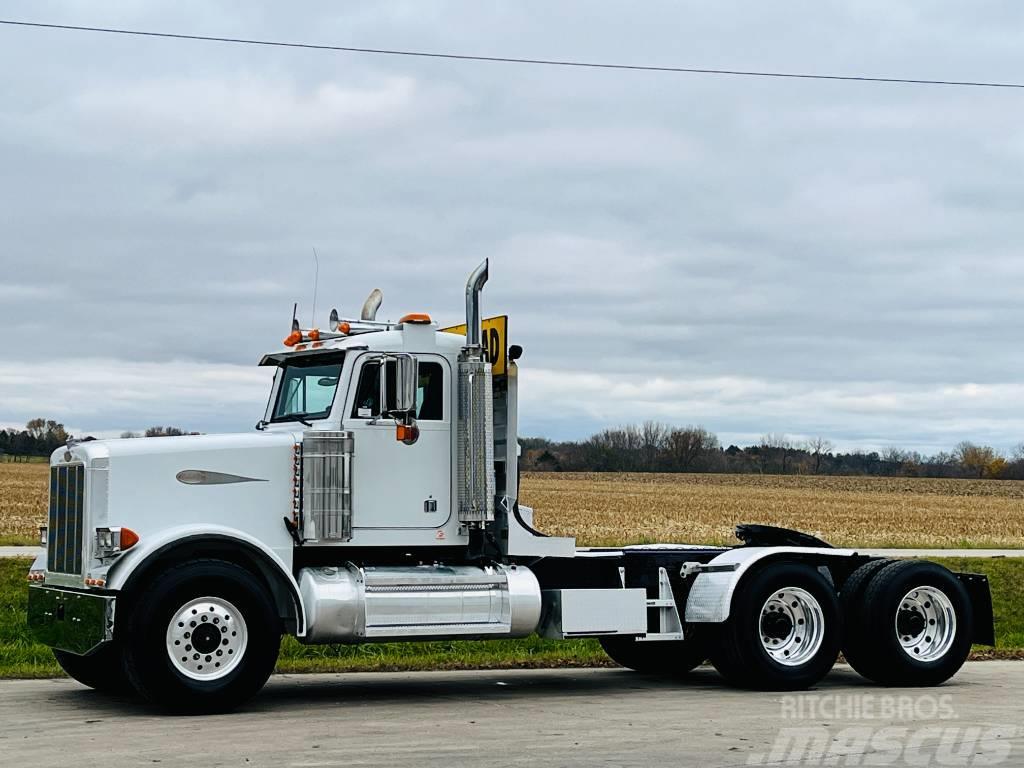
(752, 255)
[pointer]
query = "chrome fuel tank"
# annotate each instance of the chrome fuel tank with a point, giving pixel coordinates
(350, 604)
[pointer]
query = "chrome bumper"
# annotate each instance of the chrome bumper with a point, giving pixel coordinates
(77, 622)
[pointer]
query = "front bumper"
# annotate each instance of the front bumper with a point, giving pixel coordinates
(77, 622)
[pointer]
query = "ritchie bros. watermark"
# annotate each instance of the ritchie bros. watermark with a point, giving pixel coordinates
(883, 730)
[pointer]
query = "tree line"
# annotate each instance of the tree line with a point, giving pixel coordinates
(41, 437)
(656, 447)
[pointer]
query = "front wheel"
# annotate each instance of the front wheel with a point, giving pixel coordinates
(783, 631)
(204, 637)
(102, 670)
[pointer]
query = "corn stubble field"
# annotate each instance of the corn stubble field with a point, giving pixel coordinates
(612, 509)
(23, 495)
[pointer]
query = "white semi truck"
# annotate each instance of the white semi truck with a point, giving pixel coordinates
(378, 500)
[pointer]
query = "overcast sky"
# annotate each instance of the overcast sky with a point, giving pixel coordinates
(800, 257)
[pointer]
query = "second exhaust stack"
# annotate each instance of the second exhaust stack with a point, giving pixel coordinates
(475, 466)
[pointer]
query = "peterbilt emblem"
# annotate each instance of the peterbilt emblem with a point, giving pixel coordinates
(204, 477)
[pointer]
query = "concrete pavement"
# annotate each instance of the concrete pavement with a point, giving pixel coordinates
(944, 552)
(529, 718)
(19, 551)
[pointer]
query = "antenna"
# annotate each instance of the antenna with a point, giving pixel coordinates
(316, 279)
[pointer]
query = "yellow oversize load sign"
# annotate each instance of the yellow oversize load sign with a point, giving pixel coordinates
(494, 339)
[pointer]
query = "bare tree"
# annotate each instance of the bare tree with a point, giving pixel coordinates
(652, 442)
(778, 445)
(686, 445)
(126, 435)
(818, 447)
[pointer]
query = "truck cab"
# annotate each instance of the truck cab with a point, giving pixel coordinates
(378, 499)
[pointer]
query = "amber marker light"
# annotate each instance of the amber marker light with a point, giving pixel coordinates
(416, 318)
(129, 538)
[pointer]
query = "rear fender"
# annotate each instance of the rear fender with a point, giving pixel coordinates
(710, 598)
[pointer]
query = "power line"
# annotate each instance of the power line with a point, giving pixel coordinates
(515, 60)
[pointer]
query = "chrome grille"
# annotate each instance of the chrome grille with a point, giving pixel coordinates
(67, 519)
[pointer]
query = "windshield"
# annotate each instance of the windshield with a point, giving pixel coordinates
(306, 391)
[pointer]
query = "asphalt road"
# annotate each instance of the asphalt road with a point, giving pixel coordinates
(548, 717)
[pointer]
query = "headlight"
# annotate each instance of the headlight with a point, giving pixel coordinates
(114, 541)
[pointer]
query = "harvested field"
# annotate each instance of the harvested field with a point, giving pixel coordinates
(23, 495)
(612, 509)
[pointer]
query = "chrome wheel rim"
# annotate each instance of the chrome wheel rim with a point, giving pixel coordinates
(206, 638)
(791, 626)
(926, 623)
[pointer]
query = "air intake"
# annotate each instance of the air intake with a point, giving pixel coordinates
(327, 485)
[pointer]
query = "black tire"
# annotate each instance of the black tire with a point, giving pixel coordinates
(102, 670)
(671, 658)
(856, 632)
(881, 608)
(147, 658)
(739, 653)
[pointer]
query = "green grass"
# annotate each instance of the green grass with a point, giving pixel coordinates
(20, 656)
(1006, 580)
(13, 540)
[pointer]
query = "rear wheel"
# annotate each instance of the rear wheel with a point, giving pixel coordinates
(657, 657)
(203, 637)
(856, 649)
(783, 631)
(102, 670)
(921, 622)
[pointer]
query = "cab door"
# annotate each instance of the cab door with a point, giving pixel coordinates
(395, 485)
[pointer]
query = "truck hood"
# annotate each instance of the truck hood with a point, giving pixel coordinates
(162, 486)
(186, 446)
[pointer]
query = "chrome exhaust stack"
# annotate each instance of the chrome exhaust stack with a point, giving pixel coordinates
(475, 482)
(474, 285)
(371, 305)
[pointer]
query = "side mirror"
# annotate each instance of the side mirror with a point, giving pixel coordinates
(515, 352)
(398, 386)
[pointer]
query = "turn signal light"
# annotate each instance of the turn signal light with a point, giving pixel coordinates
(407, 433)
(416, 318)
(293, 338)
(37, 575)
(95, 582)
(129, 538)
(114, 541)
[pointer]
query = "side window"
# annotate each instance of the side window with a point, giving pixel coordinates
(367, 401)
(430, 392)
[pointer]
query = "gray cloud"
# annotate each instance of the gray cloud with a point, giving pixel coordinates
(751, 255)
